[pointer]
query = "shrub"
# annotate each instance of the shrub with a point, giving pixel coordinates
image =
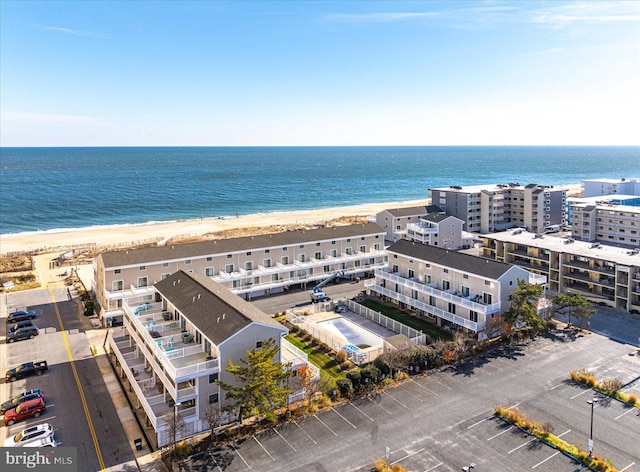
(632, 399)
(370, 374)
(611, 385)
(380, 465)
(295, 329)
(382, 366)
(341, 356)
(344, 387)
(400, 376)
(356, 378)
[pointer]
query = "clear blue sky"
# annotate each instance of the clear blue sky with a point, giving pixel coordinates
(149, 73)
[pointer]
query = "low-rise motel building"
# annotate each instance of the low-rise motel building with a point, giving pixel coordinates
(604, 274)
(172, 351)
(248, 266)
(455, 290)
(394, 221)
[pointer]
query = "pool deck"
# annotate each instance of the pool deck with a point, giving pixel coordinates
(355, 318)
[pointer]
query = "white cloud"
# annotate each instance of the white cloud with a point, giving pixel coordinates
(75, 32)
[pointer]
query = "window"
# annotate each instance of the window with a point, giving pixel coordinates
(208, 271)
(363, 249)
(164, 276)
(249, 253)
(285, 259)
(302, 257)
(213, 378)
(213, 398)
(317, 244)
(259, 345)
(302, 246)
(228, 268)
(142, 281)
(266, 263)
(376, 246)
(209, 259)
(465, 291)
(349, 251)
(284, 248)
(465, 276)
(445, 285)
(411, 274)
(165, 264)
(117, 271)
(188, 261)
(266, 251)
(427, 278)
(333, 242)
(318, 255)
(116, 285)
(452, 308)
(334, 253)
(229, 256)
(473, 316)
(248, 265)
(143, 267)
(446, 271)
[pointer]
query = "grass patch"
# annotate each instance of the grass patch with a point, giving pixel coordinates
(326, 364)
(408, 319)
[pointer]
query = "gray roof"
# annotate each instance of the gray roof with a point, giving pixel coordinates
(435, 217)
(448, 258)
(408, 211)
(223, 246)
(434, 209)
(213, 309)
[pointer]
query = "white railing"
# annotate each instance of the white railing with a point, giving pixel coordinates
(302, 356)
(417, 337)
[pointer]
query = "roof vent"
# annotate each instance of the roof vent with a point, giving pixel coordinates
(178, 280)
(218, 320)
(223, 315)
(198, 296)
(174, 283)
(194, 299)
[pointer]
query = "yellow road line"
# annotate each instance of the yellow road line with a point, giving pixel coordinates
(75, 374)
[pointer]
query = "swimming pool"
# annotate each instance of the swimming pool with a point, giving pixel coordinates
(352, 334)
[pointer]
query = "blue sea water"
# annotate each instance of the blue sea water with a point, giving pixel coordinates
(47, 189)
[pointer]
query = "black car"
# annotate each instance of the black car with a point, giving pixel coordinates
(19, 334)
(20, 324)
(16, 316)
(23, 397)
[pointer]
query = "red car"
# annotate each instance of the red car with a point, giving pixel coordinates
(29, 409)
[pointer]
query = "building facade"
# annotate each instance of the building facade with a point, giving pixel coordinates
(491, 208)
(454, 290)
(248, 266)
(609, 223)
(438, 229)
(172, 351)
(394, 221)
(604, 274)
(602, 187)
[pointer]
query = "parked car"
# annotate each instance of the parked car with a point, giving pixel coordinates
(16, 316)
(23, 397)
(42, 442)
(341, 309)
(26, 370)
(29, 435)
(31, 409)
(20, 324)
(19, 334)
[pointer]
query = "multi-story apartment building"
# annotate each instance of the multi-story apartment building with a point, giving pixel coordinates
(609, 223)
(171, 351)
(453, 289)
(438, 229)
(394, 221)
(604, 274)
(601, 187)
(248, 266)
(490, 208)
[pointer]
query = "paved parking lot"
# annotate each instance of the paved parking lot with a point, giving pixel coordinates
(444, 421)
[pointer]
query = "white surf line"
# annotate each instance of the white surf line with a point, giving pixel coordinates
(361, 411)
(550, 457)
(522, 445)
(628, 411)
(581, 393)
(240, 456)
(307, 434)
(215, 461)
(413, 382)
(260, 444)
(481, 421)
(380, 406)
(501, 432)
(395, 400)
(325, 425)
(408, 455)
(288, 443)
(334, 410)
(622, 470)
(434, 467)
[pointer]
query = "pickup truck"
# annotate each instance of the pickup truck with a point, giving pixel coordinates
(26, 370)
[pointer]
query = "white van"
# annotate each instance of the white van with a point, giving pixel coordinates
(552, 229)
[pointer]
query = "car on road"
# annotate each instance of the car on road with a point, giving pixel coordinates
(30, 409)
(26, 370)
(29, 435)
(18, 399)
(20, 334)
(20, 324)
(16, 316)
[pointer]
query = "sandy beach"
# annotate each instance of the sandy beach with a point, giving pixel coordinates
(104, 237)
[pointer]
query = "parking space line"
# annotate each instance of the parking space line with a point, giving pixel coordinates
(351, 403)
(629, 410)
(559, 385)
(316, 417)
(240, 456)
(622, 470)
(513, 406)
(406, 390)
(481, 421)
(307, 434)
(380, 406)
(581, 393)
(434, 467)
(445, 386)
(395, 400)
(334, 410)
(542, 462)
(260, 444)
(408, 455)
(288, 443)
(414, 382)
(560, 435)
(501, 432)
(522, 445)
(215, 461)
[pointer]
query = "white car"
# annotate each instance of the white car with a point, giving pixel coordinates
(42, 442)
(27, 435)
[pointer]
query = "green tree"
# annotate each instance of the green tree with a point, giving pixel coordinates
(262, 383)
(574, 304)
(523, 308)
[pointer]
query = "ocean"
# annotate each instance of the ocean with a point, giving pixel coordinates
(54, 189)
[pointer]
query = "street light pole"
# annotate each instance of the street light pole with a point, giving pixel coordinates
(591, 402)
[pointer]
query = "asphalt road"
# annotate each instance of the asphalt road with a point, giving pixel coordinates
(70, 396)
(444, 421)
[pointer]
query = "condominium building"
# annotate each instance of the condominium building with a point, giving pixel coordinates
(604, 274)
(601, 187)
(248, 266)
(438, 229)
(453, 289)
(394, 221)
(606, 222)
(171, 351)
(490, 208)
